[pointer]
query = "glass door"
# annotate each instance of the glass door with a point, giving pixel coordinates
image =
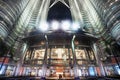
(60, 62)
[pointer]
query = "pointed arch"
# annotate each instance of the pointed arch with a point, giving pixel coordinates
(59, 12)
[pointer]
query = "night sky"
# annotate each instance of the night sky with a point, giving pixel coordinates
(59, 12)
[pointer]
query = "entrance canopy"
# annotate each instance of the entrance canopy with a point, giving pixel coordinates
(59, 38)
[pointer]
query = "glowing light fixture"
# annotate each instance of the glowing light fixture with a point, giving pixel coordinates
(75, 26)
(55, 25)
(65, 25)
(44, 26)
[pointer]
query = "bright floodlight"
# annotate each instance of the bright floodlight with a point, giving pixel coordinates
(55, 25)
(65, 25)
(44, 26)
(75, 26)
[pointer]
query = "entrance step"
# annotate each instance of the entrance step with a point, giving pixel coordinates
(57, 78)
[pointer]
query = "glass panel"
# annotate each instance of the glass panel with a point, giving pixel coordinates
(32, 71)
(80, 54)
(84, 71)
(91, 55)
(59, 56)
(27, 71)
(109, 70)
(117, 69)
(91, 71)
(10, 71)
(81, 62)
(27, 55)
(39, 54)
(34, 57)
(2, 71)
(80, 72)
(59, 53)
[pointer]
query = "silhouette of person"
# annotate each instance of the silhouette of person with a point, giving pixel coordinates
(60, 77)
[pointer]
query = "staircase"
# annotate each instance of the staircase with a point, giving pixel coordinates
(57, 78)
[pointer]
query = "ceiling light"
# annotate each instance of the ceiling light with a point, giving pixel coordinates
(75, 26)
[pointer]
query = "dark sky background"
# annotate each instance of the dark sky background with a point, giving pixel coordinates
(59, 12)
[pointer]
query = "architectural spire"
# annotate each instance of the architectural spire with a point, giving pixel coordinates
(62, 1)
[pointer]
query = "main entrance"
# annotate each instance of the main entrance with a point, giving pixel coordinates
(60, 62)
(60, 54)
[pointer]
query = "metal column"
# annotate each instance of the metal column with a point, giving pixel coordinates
(44, 67)
(75, 66)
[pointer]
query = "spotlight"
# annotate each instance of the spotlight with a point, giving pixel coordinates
(43, 26)
(55, 25)
(65, 25)
(75, 26)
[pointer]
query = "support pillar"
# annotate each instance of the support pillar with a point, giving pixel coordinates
(70, 62)
(75, 66)
(49, 62)
(44, 67)
(113, 52)
(19, 63)
(99, 62)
